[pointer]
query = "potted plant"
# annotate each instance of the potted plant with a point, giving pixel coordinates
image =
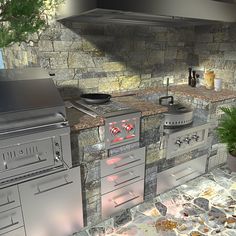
(227, 134)
(21, 18)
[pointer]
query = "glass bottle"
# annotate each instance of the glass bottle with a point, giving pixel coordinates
(189, 76)
(193, 81)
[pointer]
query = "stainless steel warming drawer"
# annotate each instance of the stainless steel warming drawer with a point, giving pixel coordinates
(122, 178)
(10, 220)
(180, 174)
(122, 182)
(9, 198)
(122, 161)
(122, 198)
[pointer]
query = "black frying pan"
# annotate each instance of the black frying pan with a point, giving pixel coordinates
(95, 98)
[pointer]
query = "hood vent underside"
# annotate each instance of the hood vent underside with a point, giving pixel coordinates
(148, 12)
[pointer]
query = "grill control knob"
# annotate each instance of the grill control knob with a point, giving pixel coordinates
(195, 137)
(178, 142)
(115, 131)
(128, 127)
(187, 140)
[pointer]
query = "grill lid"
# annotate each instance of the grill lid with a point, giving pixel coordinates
(29, 100)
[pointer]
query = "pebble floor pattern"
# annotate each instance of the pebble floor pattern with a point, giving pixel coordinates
(203, 206)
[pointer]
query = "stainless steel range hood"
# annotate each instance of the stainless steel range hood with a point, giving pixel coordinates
(149, 12)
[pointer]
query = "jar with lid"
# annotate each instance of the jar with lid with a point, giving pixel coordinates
(209, 77)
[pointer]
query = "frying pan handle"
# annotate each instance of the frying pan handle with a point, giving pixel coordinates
(166, 97)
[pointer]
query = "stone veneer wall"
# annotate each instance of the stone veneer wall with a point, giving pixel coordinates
(112, 58)
(215, 48)
(107, 58)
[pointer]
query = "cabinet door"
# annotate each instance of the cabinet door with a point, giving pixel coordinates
(52, 205)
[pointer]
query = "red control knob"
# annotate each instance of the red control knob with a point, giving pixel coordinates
(128, 127)
(115, 130)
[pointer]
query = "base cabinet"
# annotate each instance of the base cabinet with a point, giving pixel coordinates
(52, 205)
(180, 174)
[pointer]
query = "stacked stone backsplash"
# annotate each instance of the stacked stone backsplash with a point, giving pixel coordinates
(112, 58)
(107, 58)
(215, 48)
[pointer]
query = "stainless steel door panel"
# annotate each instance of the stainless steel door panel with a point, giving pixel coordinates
(17, 232)
(9, 198)
(122, 198)
(10, 220)
(123, 161)
(52, 205)
(180, 174)
(121, 179)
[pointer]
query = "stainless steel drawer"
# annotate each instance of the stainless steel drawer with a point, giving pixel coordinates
(180, 174)
(9, 198)
(10, 220)
(52, 205)
(123, 161)
(122, 178)
(122, 198)
(17, 232)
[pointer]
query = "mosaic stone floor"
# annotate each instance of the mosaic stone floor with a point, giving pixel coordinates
(203, 206)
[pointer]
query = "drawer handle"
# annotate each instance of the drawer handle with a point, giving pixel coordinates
(133, 197)
(49, 189)
(28, 164)
(10, 225)
(126, 180)
(127, 163)
(7, 203)
(178, 175)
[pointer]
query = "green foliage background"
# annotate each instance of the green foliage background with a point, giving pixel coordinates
(227, 129)
(20, 18)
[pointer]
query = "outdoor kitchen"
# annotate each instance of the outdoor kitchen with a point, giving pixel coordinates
(109, 124)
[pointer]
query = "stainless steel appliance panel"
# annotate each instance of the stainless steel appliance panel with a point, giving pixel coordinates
(122, 161)
(17, 232)
(122, 178)
(180, 174)
(122, 129)
(52, 205)
(122, 198)
(10, 220)
(32, 152)
(9, 198)
(187, 140)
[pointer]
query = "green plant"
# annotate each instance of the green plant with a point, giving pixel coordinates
(227, 129)
(20, 18)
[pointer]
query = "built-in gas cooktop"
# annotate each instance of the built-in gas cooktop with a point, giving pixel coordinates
(108, 109)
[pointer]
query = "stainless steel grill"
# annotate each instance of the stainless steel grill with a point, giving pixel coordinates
(34, 133)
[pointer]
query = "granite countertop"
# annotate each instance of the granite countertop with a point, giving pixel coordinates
(79, 121)
(200, 93)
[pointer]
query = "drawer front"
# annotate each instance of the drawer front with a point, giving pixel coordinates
(123, 161)
(122, 178)
(122, 198)
(9, 198)
(180, 174)
(52, 205)
(17, 232)
(10, 220)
